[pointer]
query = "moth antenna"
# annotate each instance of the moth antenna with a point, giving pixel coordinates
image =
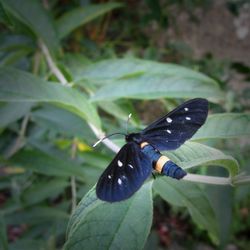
(129, 116)
(105, 137)
(99, 141)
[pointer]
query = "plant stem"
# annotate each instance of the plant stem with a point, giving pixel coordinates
(53, 67)
(241, 179)
(73, 179)
(208, 179)
(73, 193)
(20, 140)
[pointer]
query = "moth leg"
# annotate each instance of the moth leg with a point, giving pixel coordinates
(153, 175)
(155, 149)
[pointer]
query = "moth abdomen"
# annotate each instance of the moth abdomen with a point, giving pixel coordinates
(172, 170)
(162, 163)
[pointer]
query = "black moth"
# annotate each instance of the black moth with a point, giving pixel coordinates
(134, 162)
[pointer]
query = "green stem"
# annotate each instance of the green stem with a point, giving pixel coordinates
(208, 179)
(73, 179)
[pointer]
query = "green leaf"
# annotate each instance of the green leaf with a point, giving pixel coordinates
(120, 110)
(193, 154)
(225, 125)
(101, 225)
(43, 163)
(33, 14)
(127, 68)
(36, 215)
(19, 86)
(140, 79)
(157, 86)
(63, 121)
(81, 15)
(11, 112)
(191, 196)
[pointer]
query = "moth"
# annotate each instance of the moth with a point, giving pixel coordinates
(136, 160)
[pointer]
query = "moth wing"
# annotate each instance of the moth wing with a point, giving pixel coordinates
(173, 129)
(124, 175)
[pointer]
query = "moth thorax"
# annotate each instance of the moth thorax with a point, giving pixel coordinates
(134, 137)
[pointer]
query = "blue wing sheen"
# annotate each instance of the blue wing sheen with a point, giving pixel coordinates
(125, 174)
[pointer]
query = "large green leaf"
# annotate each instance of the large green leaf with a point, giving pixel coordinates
(193, 154)
(81, 15)
(132, 67)
(61, 120)
(157, 86)
(121, 225)
(134, 78)
(33, 14)
(225, 125)
(191, 196)
(19, 86)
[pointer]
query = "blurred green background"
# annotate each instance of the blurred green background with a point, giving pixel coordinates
(71, 71)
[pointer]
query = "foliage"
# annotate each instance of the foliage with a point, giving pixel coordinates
(56, 99)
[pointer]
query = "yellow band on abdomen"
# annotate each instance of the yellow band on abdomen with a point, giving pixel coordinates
(143, 144)
(160, 163)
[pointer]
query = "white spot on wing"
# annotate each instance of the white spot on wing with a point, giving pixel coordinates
(169, 120)
(169, 131)
(188, 118)
(119, 181)
(109, 176)
(186, 109)
(130, 166)
(119, 163)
